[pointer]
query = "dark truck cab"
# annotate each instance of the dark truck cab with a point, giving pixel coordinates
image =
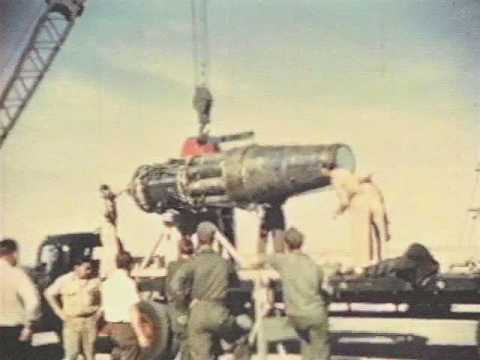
(55, 258)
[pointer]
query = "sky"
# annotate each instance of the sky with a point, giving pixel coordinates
(397, 81)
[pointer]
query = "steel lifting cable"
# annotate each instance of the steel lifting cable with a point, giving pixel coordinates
(201, 51)
(205, 60)
(202, 99)
(194, 41)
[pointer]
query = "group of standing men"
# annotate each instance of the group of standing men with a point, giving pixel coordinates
(82, 300)
(301, 277)
(79, 299)
(196, 289)
(196, 313)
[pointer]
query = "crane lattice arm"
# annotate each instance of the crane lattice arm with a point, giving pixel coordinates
(50, 32)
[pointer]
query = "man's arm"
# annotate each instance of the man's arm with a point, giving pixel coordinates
(342, 196)
(261, 260)
(321, 277)
(180, 284)
(52, 294)
(324, 288)
(366, 179)
(31, 300)
(136, 321)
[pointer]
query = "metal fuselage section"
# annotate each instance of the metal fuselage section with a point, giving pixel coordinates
(239, 177)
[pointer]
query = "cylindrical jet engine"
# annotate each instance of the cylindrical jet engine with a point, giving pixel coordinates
(236, 178)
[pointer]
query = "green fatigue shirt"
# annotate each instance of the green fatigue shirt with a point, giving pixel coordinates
(207, 275)
(80, 297)
(181, 303)
(301, 282)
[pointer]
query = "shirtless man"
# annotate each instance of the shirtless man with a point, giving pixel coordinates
(367, 208)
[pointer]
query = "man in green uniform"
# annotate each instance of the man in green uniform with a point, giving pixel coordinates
(301, 286)
(178, 306)
(206, 278)
(79, 309)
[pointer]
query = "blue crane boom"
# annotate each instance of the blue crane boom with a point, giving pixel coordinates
(49, 34)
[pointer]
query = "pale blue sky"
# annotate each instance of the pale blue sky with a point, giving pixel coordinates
(397, 80)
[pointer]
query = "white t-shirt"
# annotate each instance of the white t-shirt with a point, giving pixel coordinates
(169, 245)
(119, 294)
(19, 299)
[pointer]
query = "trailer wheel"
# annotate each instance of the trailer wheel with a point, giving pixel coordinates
(156, 326)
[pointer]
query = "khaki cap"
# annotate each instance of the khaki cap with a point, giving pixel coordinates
(293, 237)
(206, 229)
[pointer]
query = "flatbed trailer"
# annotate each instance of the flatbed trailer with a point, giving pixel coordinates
(369, 317)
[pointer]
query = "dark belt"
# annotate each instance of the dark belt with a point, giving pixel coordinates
(83, 316)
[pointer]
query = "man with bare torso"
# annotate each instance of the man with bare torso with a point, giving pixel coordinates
(370, 224)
